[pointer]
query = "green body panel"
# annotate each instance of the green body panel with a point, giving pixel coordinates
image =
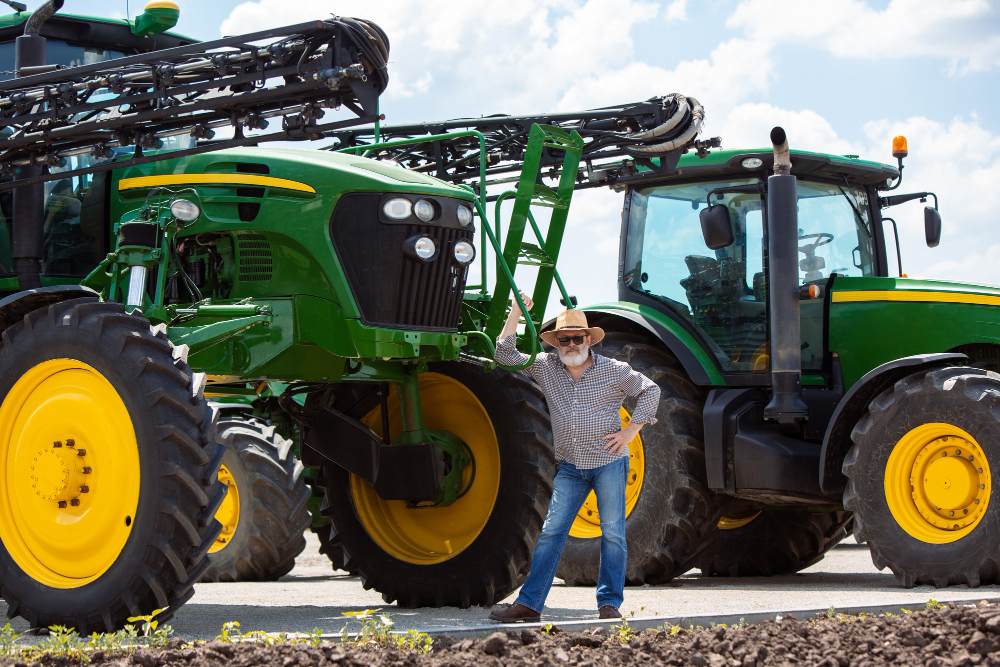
(690, 342)
(867, 334)
(315, 322)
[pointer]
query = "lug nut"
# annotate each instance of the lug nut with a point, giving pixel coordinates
(977, 501)
(970, 457)
(958, 452)
(81, 452)
(75, 502)
(70, 442)
(951, 513)
(84, 489)
(944, 453)
(87, 470)
(62, 504)
(965, 511)
(57, 443)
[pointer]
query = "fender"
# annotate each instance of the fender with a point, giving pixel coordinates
(837, 440)
(698, 365)
(13, 308)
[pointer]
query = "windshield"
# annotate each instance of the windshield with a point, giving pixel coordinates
(723, 293)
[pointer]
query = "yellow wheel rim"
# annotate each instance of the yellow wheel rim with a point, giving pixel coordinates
(741, 517)
(69, 463)
(229, 511)
(588, 521)
(436, 534)
(937, 483)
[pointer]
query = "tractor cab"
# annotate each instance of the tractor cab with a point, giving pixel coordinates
(720, 296)
(74, 219)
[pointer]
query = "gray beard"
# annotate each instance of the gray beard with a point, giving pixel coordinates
(576, 359)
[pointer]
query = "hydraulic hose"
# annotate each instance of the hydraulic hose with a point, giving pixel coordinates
(685, 116)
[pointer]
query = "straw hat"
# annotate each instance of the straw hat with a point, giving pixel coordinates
(572, 322)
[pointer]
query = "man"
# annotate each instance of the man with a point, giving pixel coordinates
(584, 392)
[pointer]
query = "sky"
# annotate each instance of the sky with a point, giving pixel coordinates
(841, 76)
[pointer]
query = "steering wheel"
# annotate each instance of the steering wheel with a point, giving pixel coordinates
(822, 238)
(811, 264)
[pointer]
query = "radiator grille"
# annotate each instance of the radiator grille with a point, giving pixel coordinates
(253, 257)
(392, 290)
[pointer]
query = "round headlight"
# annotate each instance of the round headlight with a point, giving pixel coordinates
(184, 210)
(398, 208)
(424, 210)
(464, 215)
(464, 252)
(420, 247)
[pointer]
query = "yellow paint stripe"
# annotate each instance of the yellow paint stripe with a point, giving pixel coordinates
(922, 296)
(212, 179)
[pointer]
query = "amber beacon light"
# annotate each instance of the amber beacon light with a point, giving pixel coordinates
(899, 147)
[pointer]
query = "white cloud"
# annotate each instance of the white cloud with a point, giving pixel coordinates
(676, 11)
(749, 125)
(961, 31)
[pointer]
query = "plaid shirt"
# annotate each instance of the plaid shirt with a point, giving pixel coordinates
(586, 410)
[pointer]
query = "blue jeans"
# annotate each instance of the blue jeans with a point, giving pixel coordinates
(569, 491)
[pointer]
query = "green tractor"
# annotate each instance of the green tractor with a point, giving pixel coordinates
(808, 391)
(321, 299)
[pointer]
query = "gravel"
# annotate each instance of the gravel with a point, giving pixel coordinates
(949, 636)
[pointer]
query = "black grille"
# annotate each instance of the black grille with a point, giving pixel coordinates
(253, 252)
(391, 289)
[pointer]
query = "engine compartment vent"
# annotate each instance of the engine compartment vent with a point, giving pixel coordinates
(248, 210)
(253, 257)
(252, 168)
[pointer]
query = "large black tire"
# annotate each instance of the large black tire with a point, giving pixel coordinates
(929, 406)
(774, 542)
(674, 516)
(324, 532)
(176, 458)
(496, 561)
(272, 497)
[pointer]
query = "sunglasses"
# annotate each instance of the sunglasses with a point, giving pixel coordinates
(567, 340)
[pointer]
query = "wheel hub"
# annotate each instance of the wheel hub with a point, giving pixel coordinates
(937, 483)
(947, 484)
(229, 511)
(67, 504)
(59, 473)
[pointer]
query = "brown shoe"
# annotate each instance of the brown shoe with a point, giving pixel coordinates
(515, 613)
(607, 611)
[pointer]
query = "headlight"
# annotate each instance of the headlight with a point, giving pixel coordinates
(424, 210)
(420, 247)
(464, 215)
(464, 252)
(184, 210)
(397, 208)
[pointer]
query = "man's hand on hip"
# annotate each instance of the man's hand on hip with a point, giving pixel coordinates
(616, 442)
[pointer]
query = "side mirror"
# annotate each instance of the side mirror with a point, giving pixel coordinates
(716, 227)
(932, 226)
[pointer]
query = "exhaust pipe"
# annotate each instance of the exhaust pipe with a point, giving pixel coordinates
(29, 200)
(786, 404)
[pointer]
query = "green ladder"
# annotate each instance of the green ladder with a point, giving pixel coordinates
(532, 192)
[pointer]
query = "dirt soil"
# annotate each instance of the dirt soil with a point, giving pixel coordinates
(952, 636)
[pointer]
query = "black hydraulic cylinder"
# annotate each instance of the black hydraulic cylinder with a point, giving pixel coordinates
(786, 404)
(29, 200)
